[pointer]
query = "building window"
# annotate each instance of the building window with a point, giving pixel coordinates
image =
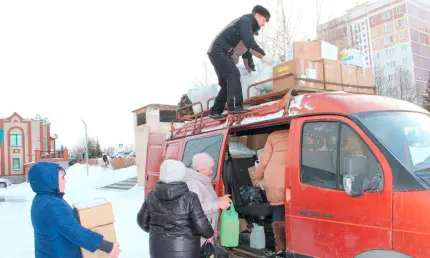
(404, 48)
(373, 20)
(16, 140)
(405, 61)
(167, 116)
(402, 36)
(399, 10)
(393, 64)
(401, 23)
(141, 118)
(389, 52)
(375, 32)
(324, 156)
(16, 164)
(377, 55)
(377, 43)
(386, 15)
(211, 145)
(388, 27)
(388, 40)
(45, 147)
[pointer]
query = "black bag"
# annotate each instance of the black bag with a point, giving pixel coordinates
(212, 250)
(251, 195)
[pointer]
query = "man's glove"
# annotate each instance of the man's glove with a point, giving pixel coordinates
(268, 60)
(249, 64)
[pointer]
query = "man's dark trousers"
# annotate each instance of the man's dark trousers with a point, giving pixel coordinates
(229, 81)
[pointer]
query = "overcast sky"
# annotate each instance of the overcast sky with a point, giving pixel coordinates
(99, 60)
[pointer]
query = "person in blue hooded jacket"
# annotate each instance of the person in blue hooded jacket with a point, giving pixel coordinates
(57, 231)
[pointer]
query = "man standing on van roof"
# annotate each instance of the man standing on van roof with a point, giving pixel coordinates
(235, 40)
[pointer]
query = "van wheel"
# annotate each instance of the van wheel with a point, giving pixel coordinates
(3, 185)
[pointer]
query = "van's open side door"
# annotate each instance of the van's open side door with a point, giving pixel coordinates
(154, 158)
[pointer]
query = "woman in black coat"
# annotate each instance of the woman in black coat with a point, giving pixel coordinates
(173, 216)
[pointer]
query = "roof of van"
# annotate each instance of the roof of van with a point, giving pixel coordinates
(313, 103)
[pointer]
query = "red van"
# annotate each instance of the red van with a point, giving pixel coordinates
(357, 177)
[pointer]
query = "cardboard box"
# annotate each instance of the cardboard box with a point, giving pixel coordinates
(332, 73)
(109, 234)
(243, 225)
(349, 76)
(241, 139)
(94, 213)
(312, 50)
(301, 69)
(251, 172)
(253, 142)
(365, 78)
(256, 142)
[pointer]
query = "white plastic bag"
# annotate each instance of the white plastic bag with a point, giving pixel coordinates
(203, 94)
(260, 153)
(239, 150)
(262, 72)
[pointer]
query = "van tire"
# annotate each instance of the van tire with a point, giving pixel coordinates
(3, 185)
(382, 253)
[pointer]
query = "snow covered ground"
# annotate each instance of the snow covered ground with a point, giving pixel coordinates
(16, 231)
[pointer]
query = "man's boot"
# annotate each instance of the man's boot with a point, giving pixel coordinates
(237, 110)
(280, 239)
(215, 115)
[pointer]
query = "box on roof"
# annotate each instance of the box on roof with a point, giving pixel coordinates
(312, 50)
(94, 213)
(299, 68)
(332, 73)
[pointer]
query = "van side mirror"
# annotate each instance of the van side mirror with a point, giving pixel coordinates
(355, 171)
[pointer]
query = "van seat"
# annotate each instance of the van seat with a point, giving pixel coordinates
(236, 175)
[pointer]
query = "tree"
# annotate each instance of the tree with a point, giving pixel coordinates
(109, 151)
(94, 149)
(426, 98)
(381, 84)
(275, 39)
(402, 86)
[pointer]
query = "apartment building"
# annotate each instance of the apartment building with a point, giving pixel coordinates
(349, 31)
(398, 34)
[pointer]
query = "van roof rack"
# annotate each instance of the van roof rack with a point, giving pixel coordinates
(261, 99)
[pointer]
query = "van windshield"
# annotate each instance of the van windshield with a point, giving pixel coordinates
(405, 134)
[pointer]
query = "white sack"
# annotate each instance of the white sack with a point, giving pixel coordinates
(203, 94)
(239, 150)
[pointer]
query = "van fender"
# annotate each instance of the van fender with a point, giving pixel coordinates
(382, 253)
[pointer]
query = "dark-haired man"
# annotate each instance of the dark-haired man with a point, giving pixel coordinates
(234, 41)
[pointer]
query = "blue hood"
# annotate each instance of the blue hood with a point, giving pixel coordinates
(43, 178)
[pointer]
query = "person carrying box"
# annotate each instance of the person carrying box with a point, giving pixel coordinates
(57, 230)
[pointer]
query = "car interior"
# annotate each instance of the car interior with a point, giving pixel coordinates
(236, 175)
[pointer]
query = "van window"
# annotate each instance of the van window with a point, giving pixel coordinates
(322, 165)
(211, 145)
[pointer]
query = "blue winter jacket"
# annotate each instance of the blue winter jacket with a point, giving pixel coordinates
(57, 231)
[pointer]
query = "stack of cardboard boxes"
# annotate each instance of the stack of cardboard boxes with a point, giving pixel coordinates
(317, 60)
(96, 215)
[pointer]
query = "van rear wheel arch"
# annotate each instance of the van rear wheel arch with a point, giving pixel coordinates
(382, 253)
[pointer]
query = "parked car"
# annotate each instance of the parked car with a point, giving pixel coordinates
(5, 183)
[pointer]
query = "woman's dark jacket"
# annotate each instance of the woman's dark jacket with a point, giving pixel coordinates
(175, 221)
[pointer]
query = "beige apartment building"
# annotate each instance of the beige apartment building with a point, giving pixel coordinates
(392, 34)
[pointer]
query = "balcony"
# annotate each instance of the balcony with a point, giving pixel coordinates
(52, 156)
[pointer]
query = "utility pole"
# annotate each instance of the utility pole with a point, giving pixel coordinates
(86, 145)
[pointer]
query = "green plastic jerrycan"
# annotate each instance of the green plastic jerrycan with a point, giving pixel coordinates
(229, 228)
